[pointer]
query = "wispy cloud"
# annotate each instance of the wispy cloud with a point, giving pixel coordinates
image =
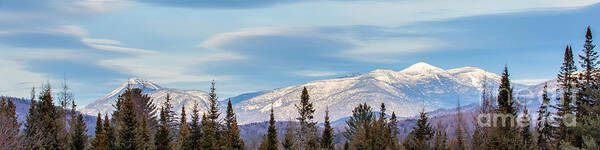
(313, 73)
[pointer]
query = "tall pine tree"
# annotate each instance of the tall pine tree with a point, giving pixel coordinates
(418, 137)
(327, 136)
(184, 133)
(110, 134)
(359, 126)
(234, 142)
(99, 142)
(195, 128)
(48, 122)
(270, 142)
(543, 127)
(307, 135)
(127, 123)
(211, 139)
(564, 114)
(162, 139)
(79, 137)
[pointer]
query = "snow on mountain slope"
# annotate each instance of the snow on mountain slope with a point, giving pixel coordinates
(179, 98)
(405, 92)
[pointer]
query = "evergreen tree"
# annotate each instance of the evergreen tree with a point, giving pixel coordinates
(33, 134)
(526, 137)
(78, 136)
(195, 128)
(379, 129)
(9, 125)
(418, 137)
(359, 127)
(233, 134)
(587, 83)
(564, 113)
(504, 132)
(308, 131)
(271, 142)
(127, 124)
(393, 132)
(100, 141)
(327, 136)
(110, 134)
(184, 133)
(143, 134)
(543, 127)
(48, 122)
(208, 140)
(288, 140)
(162, 139)
(210, 126)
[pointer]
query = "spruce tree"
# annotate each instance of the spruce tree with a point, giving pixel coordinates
(79, 137)
(127, 124)
(208, 140)
(32, 131)
(393, 132)
(48, 122)
(418, 137)
(184, 133)
(195, 128)
(271, 142)
(308, 131)
(110, 134)
(505, 134)
(358, 130)
(586, 85)
(143, 134)
(100, 141)
(232, 133)
(162, 139)
(564, 113)
(543, 127)
(211, 139)
(327, 136)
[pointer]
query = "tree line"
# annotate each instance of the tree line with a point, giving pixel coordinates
(569, 121)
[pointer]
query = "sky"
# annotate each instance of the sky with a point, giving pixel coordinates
(248, 46)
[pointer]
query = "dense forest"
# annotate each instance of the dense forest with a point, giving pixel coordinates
(569, 120)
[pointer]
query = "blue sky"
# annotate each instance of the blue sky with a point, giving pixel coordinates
(248, 46)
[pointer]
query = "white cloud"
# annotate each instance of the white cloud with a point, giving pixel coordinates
(224, 38)
(168, 68)
(109, 45)
(313, 73)
(16, 81)
(101, 41)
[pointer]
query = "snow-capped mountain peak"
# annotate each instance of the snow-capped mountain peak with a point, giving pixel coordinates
(142, 83)
(180, 98)
(421, 67)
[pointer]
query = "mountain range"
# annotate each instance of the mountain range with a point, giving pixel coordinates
(405, 92)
